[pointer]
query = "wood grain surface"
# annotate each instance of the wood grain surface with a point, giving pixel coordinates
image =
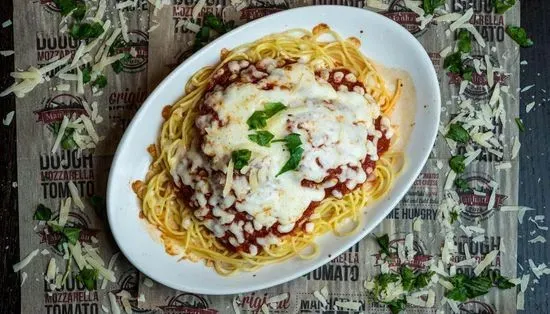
(534, 157)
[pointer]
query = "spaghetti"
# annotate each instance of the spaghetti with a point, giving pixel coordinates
(187, 224)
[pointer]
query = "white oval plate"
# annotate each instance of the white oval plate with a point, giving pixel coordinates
(383, 40)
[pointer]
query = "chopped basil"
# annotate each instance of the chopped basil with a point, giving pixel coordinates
(462, 184)
(65, 6)
(453, 63)
(520, 125)
(88, 277)
(211, 22)
(407, 278)
(117, 66)
(86, 74)
(468, 74)
(72, 234)
(67, 141)
(42, 213)
(502, 6)
(429, 6)
(86, 30)
(240, 158)
(258, 119)
(384, 244)
(464, 41)
(99, 205)
(100, 81)
(79, 12)
(293, 144)
(470, 287)
(397, 305)
(423, 279)
(457, 163)
(454, 216)
(519, 35)
(262, 138)
(458, 133)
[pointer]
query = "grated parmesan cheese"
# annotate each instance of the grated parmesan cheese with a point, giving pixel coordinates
(114, 305)
(462, 20)
(24, 262)
(6, 23)
(197, 9)
(75, 195)
(8, 119)
(148, 282)
(489, 258)
(352, 305)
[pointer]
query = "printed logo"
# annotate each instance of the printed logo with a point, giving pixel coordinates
(344, 267)
(253, 303)
(478, 88)
(187, 303)
(49, 5)
(307, 303)
(138, 42)
(76, 220)
(261, 8)
(399, 12)
(350, 3)
(128, 281)
(477, 198)
(419, 261)
(59, 106)
(476, 307)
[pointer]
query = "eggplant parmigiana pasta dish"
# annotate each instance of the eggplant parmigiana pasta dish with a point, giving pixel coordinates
(285, 139)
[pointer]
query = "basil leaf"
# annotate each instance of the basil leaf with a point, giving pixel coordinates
(99, 205)
(504, 283)
(519, 35)
(79, 12)
(262, 138)
(458, 293)
(454, 216)
(293, 162)
(407, 278)
(273, 108)
(88, 277)
(468, 74)
(520, 125)
(464, 41)
(502, 6)
(42, 213)
(453, 63)
(458, 133)
(72, 234)
(258, 120)
(457, 163)
(215, 23)
(397, 305)
(67, 141)
(429, 6)
(86, 74)
(65, 6)
(423, 279)
(117, 66)
(462, 184)
(384, 244)
(100, 81)
(86, 30)
(240, 158)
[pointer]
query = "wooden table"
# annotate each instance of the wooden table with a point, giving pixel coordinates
(534, 157)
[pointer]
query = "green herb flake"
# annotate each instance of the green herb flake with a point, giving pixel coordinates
(72, 234)
(293, 144)
(65, 6)
(520, 124)
(262, 138)
(458, 133)
(397, 305)
(99, 205)
(429, 6)
(457, 163)
(67, 141)
(100, 81)
(453, 63)
(42, 213)
(471, 287)
(407, 278)
(117, 66)
(88, 277)
(86, 30)
(519, 35)
(79, 12)
(384, 244)
(258, 120)
(86, 74)
(502, 6)
(240, 158)
(462, 184)
(423, 279)
(464, 41)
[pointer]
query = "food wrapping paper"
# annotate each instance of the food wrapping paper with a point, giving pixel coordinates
(162, 42)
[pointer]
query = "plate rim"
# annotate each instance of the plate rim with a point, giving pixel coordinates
(361, 234)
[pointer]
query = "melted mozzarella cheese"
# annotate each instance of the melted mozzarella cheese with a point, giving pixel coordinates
(333, 127)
